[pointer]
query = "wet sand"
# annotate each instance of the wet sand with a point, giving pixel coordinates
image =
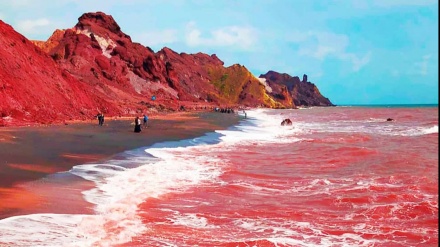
(31, 153)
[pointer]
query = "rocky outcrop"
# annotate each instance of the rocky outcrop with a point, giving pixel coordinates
(204, 77)
(190, 76)
(34, 89)
(303, 93)
(52, 42)
(96, 51)
(278, 92)
(95, 67)
(287, 122)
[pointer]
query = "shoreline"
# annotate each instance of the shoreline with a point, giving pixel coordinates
(32, 153)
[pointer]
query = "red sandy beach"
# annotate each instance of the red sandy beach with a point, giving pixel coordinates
(31, 153)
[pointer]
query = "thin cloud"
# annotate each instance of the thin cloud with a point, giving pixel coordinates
(321, 45)
(421, 67)
(396, 3)
(21, 3)
(357, 61)
(232, 36)
(32, 26)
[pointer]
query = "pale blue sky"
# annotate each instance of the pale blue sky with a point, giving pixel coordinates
(355, 51)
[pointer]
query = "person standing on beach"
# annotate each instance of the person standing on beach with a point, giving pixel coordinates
(137, 125)
(145, 121)
(102, 120)
(99, 116)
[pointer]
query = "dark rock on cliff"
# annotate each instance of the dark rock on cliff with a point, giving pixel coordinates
(303, 93)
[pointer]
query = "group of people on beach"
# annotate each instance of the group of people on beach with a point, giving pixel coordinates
(137, 123)
(228, 110)
(224, 110)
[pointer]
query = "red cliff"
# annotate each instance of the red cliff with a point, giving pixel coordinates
(34, 89)
(97, 52)
(303, 93)
(95, 67)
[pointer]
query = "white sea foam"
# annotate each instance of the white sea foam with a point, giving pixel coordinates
(369, 126)
(55, 230)
(117, 195)
(255, 189)
(191, 220)
(294, 233)
(260, 128)
(423, 131)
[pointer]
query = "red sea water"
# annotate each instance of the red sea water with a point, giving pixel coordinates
(339, 176)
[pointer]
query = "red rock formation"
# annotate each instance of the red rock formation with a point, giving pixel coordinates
(203, 77)
(94, 66)
(190, 76)
(303, 93)
(34, 89)
(280, 93)
(97, 52)
(53, 41)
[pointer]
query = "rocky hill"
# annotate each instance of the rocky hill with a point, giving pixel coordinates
(34, 89)
(302, 92)
(95, 67)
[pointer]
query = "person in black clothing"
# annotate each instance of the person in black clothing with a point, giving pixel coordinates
(102, 120)
(137, 125)
(99, 117)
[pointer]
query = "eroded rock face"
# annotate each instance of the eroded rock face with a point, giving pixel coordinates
(303, 93)
(95, 67)
(53, 41)
(137, 70)
(34, 89)
(98, 53)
